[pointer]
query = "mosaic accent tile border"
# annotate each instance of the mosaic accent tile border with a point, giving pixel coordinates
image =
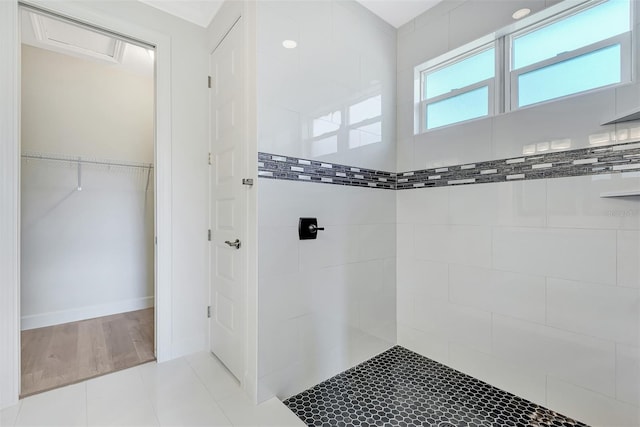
(585, 161)
(294, 169)
(402, 388)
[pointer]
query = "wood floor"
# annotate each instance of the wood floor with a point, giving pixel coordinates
(65, 354)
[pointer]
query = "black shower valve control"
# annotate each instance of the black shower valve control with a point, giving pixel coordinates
(308, 228)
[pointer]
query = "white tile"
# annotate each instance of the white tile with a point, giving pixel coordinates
(572, 119)
(377, 241)
(512, 294)
(404, 241)
(564, 253)
(412, 49)
(608, 312)
(121, 412)
(284, 297)
(65, 406)
(126, 385)
(335, 245)
(424, 206)
(364, 347)
(214, 375)
(241, 412)
(404, 154)
(575, 202)
(279, 344)
(628, 256)
(628, 373)
(433, 346)
(591, 408)
(277, 247)
(483, 198)
(473, 20)
(455, 323)
(279, 130)
(452, 145)
(367, 206)
(426, 278)
(627, 98)
(511, 376)
(201, 412)
(8, 415)
(461, 244)
(555, 352)
(521, 204)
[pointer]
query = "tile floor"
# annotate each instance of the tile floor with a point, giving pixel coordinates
(190, 391)
(402, 388)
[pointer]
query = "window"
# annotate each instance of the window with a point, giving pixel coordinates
(459, 90)
(582, 51)
(569, 52)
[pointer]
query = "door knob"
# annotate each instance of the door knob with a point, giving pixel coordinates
(235, 244)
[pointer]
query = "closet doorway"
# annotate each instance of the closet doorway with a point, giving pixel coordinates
(87, 202)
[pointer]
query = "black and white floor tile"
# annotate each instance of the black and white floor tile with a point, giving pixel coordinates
(402, 388)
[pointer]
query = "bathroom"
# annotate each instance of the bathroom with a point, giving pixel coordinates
(504, 245)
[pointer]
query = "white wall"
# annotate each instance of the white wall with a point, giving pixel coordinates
(82, 107)
(85, 253)
(530, 286)
(325, 304)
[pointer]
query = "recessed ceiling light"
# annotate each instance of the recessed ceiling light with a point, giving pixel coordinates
(289, 44)
(521, 13)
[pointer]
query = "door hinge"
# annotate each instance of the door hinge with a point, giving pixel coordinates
(209, 81)
(209, 311)
(247, 181)
(209, 235)
(210, 158)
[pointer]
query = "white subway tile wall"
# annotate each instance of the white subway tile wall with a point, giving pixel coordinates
(502, 286)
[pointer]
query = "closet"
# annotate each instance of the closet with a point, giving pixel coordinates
(87, 202)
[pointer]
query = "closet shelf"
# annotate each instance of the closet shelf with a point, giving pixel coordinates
(622, 193)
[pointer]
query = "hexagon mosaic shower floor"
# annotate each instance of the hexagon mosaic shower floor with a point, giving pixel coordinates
(402, 388)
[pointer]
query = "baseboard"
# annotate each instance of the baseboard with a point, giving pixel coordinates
(82, 313)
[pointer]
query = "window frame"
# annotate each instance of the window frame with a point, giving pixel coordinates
(490, 83)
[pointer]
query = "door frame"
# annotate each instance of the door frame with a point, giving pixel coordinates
(10, 185)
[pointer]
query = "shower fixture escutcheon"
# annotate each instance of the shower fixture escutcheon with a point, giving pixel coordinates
(308, 228)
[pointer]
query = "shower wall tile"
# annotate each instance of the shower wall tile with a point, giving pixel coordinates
(628, 255)
(628, 373)
(511, 294)
(561, 274)
(576, 202)
(275, 259)
(428, 344)
(426, 206)
(458, 244)
(588, 255)
(591, 407)
(455, 323)
(521, 379)
(328, 303)
(555, 352)
(607, 312)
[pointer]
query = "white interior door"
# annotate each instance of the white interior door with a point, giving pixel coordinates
(228, 201)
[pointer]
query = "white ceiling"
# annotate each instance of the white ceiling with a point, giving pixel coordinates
(200, 12)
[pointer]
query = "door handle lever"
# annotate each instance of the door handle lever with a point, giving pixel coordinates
(235, 244)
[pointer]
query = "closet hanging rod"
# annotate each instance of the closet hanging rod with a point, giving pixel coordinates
(93, 162)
